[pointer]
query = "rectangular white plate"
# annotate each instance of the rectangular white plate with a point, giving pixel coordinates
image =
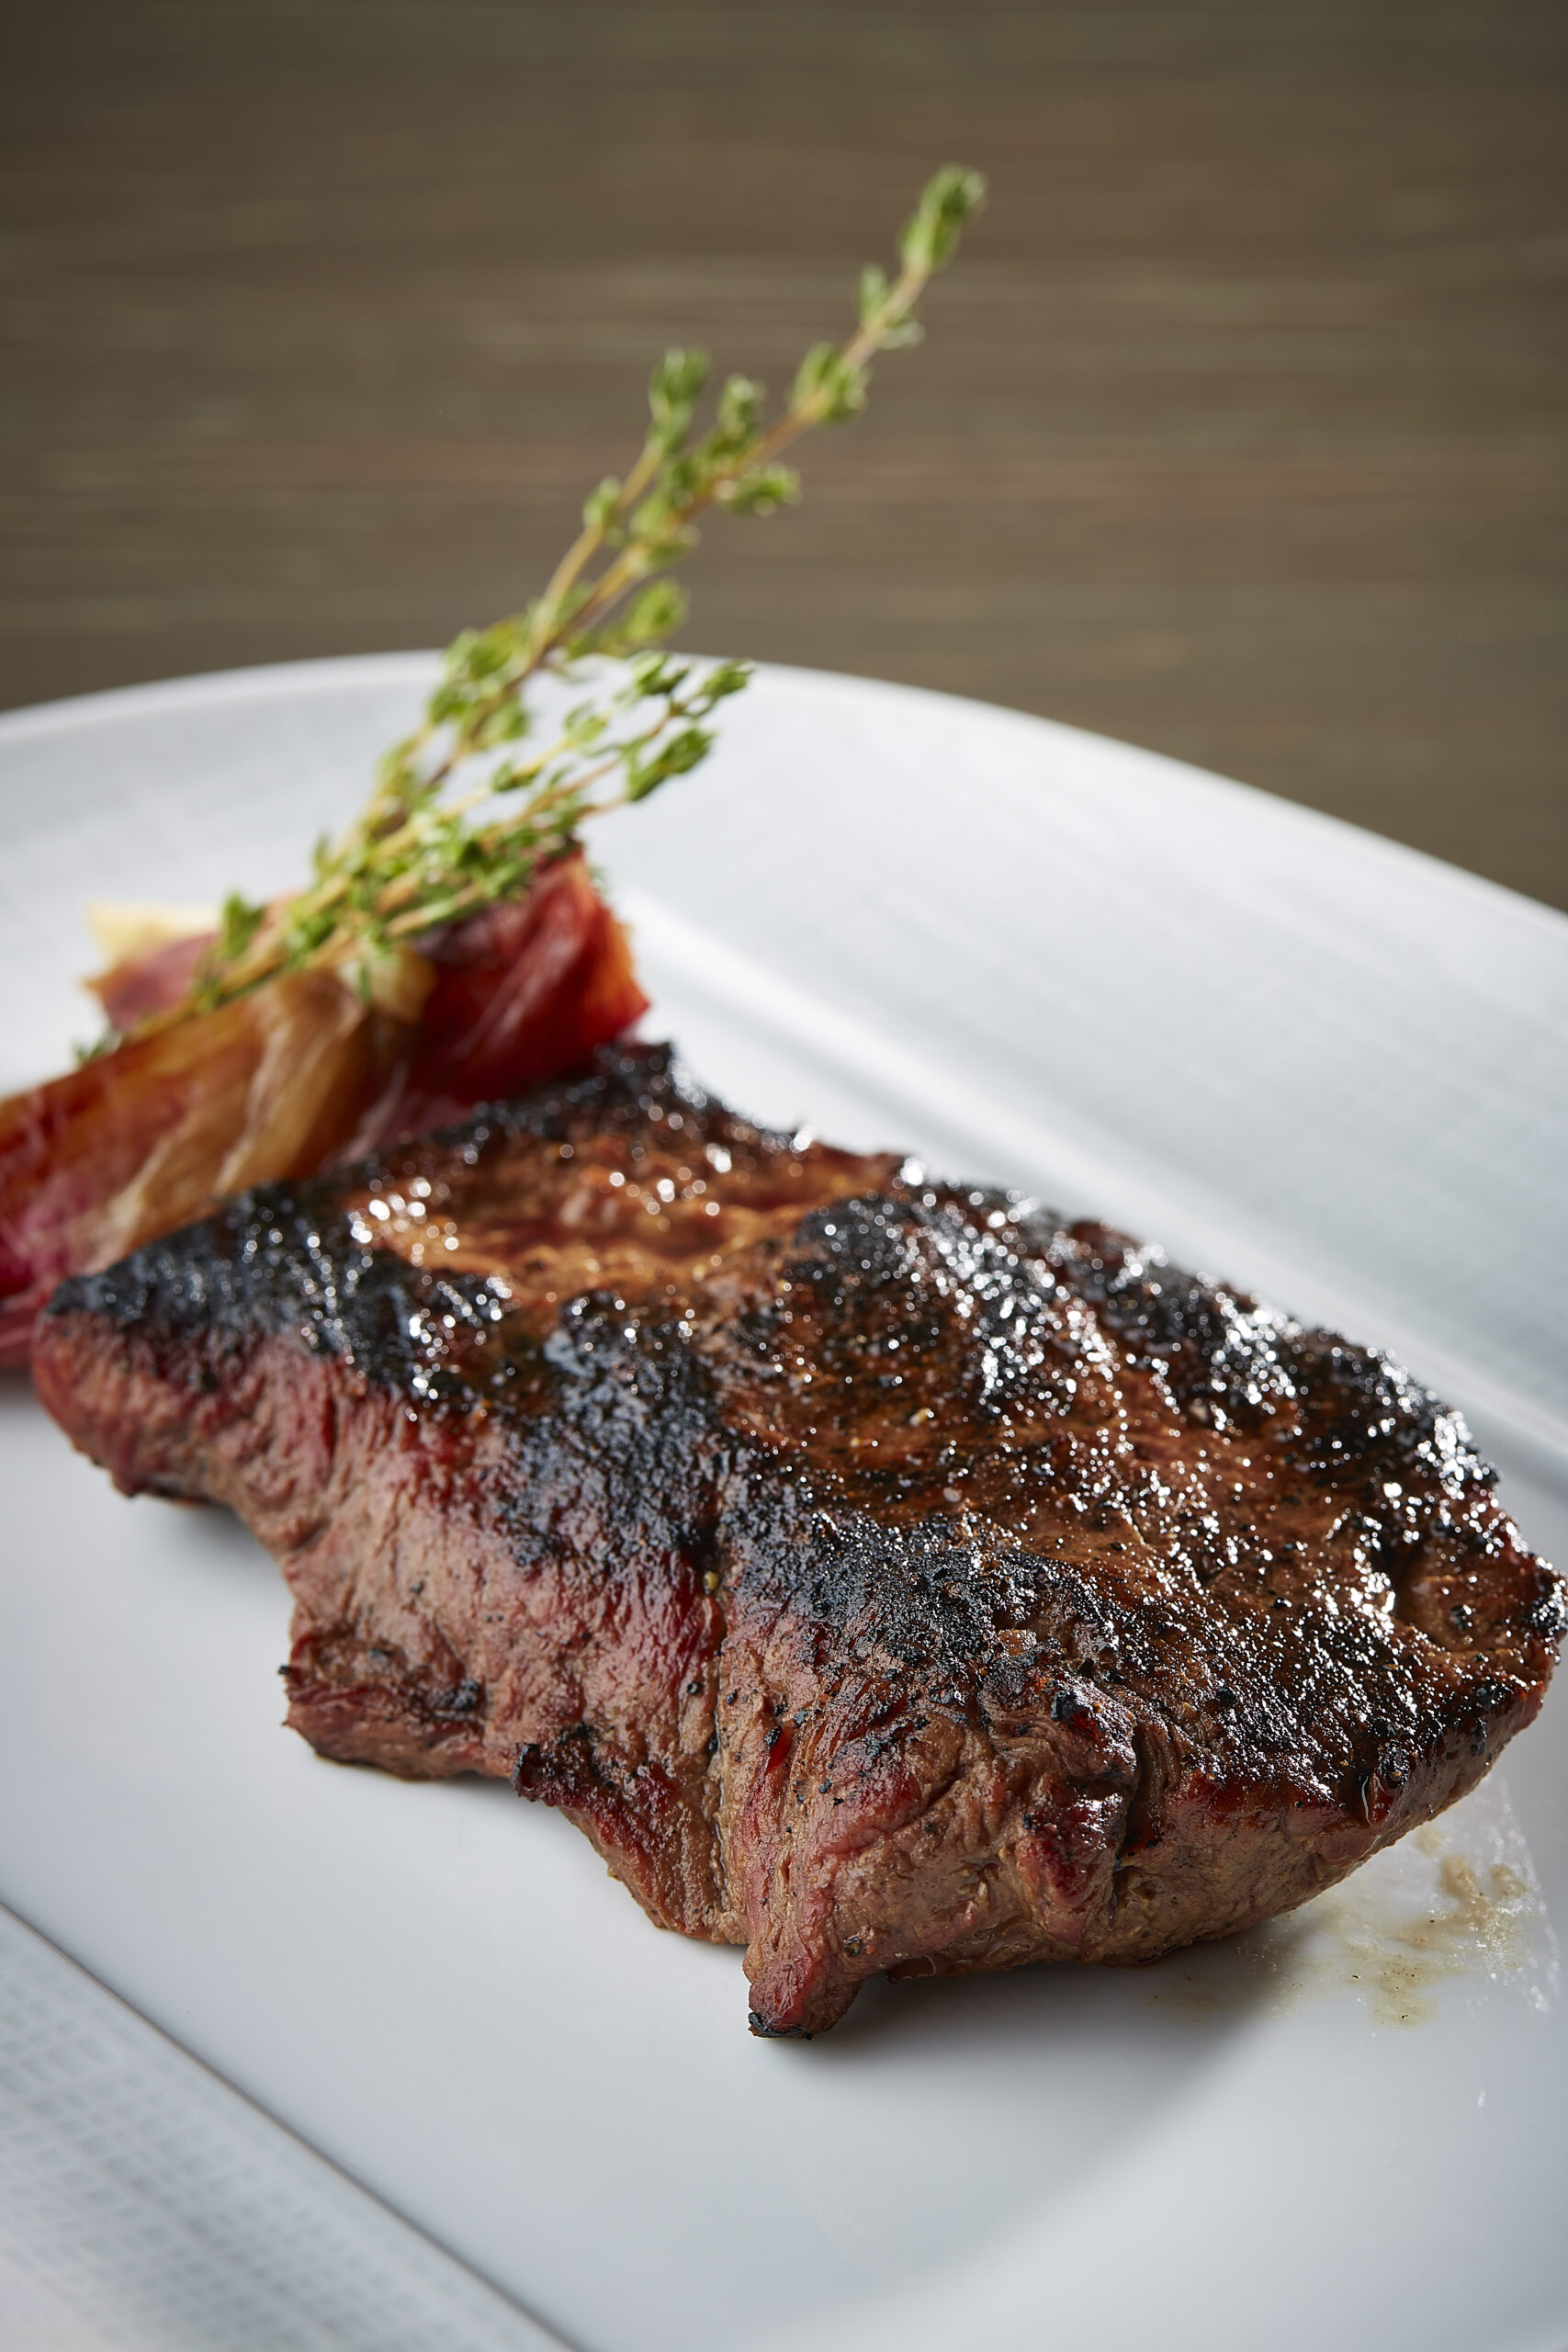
(1304, 1058)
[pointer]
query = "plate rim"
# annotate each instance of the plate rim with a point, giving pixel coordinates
(267, 680)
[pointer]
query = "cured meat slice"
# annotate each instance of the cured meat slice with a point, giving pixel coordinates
(302, 1073)
(884, 1574)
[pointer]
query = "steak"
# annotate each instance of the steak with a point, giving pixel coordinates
(886, 1575)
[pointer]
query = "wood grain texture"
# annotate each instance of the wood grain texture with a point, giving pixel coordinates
(1239, 432)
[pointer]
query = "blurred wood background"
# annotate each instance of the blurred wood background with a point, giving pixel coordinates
(1238, 432)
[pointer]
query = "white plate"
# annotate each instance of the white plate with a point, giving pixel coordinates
(1300, 1056)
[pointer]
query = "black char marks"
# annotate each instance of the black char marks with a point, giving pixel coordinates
(884, 1575)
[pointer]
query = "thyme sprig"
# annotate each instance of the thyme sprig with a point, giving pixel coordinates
(421, 854)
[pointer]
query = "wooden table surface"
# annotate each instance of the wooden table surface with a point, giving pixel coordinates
(1238, 432)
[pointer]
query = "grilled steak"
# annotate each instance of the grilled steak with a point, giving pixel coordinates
(884, 1575)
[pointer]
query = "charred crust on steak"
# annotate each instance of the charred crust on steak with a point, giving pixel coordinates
(886, 1575)
(276, 1259)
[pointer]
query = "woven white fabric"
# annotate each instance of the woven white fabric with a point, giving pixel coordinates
(146, 2207)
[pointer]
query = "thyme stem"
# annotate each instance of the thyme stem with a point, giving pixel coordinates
(416, 859)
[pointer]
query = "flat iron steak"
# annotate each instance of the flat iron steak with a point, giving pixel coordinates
(883, 1574)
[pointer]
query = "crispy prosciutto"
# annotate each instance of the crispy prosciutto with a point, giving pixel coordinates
(280, 1082)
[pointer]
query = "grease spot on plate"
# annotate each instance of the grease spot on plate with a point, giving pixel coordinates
(1457, 1902)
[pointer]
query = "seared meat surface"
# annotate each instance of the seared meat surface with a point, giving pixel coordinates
(884, 1575)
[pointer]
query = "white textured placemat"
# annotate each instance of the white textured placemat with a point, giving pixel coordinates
(146, 2207)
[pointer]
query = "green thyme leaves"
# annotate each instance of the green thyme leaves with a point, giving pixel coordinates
(466, 810)
(949, 198)
(759, 492)
(238, 925)
(829, 385)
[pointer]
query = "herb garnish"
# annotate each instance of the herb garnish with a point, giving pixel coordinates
(421, 854)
